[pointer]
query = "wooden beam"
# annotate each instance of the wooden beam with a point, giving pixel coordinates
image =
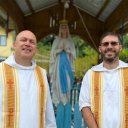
(103, 8)
(40, 27)
(119, 16)
(13, 10)
(30, 6)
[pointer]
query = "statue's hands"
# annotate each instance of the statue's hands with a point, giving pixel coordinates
(59, 50)
(68, 50)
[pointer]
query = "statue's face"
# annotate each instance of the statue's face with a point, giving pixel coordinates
(64, 31)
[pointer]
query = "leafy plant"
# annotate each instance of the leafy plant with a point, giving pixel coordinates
(124, 53)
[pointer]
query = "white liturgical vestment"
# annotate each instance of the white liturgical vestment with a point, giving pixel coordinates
(111, 94)
(28, 97)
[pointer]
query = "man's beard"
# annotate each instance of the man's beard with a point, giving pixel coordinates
(110, 60)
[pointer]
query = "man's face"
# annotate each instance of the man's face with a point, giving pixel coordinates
(110, 48)
(25, 45)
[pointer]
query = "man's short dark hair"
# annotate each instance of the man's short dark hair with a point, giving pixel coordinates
(111, 34)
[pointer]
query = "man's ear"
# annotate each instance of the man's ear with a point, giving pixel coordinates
(99, 49)
(14, 45)
(120, 47)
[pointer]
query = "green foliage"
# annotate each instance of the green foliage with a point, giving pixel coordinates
(82, 64)
(80, 46)
(125, 41)
(43, 55)
(43, 48)
(124, 53)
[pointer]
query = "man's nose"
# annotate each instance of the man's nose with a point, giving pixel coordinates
(109, 45)
(27, 42)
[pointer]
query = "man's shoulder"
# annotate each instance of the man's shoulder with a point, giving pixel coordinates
(98, 67)
(122, 64)
(94, 68)
(3, 63)
(41, 68)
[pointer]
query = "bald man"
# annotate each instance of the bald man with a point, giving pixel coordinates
(25, 100)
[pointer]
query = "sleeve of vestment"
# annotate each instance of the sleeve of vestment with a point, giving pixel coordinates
(50, 121)
(84, 98)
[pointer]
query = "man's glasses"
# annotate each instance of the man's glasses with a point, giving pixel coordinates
(113, 43)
